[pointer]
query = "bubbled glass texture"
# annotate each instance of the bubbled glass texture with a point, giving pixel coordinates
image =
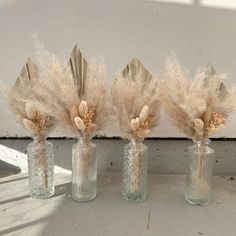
(135, 165)
(41, 169)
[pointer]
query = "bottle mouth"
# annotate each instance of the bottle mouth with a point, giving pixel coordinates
(39, 138)
(85, 141)
(201, 141)
(136, 140)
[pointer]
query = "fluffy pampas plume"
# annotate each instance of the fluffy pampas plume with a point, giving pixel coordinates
(31, 111)
(134, 95)
(197, 107)
(27, 108)
(76, 91)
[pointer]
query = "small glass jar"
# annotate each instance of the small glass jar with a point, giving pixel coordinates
(41, 168)
(199, 173)
(84, 170)
(135, 166)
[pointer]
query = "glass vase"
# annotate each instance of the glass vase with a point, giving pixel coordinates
(41, 168)
(135, 165)
(84, 171)
(199, 174)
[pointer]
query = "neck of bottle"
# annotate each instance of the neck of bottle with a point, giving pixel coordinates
(39, 138)
(83, 140)
(135, 141)
(201, 144)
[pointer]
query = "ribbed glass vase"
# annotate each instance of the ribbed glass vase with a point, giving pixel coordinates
(41, 168)
(199, 173)
(135, 165)
(84, 170)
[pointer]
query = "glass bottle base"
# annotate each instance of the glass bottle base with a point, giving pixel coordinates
(42, 195)
(197, 202)
(86, 198)
(134, 198)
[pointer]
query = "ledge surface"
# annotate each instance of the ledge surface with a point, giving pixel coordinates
(165, 156)
(165, 213)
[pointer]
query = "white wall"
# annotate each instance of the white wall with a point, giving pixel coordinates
(198, 31)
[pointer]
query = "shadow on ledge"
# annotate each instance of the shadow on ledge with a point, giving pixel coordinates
(7, 169)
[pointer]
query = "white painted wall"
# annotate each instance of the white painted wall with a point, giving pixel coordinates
(198, 31)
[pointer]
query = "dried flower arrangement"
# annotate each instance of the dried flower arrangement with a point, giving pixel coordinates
(78, 101)
(30, 112)
(197, 108)
(27, 109)
(78, 90)
(135, 98)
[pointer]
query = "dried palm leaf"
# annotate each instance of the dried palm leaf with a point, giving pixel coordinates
(79, 68)
(198, 107)
(24, 103)
(78, 92)
(134, 94)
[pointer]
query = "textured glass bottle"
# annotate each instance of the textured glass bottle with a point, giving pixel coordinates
(84, 170)
(135, 171)
(41, 168)
(199, 174)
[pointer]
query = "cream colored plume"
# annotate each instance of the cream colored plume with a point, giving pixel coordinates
(27, 105)
(135, 98)
(197, 107)
(30, 126)
(77, 92)
(134, 124)
(198, 123)
(79, 123)
(144, 113)
(30, 110)
(83, 108)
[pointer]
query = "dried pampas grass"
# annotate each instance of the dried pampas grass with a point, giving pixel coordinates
(31, 110)
(25, 105)
(198, 107)
(134, 95)
(76, 92)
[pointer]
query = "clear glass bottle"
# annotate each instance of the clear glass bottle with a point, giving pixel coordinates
(41, 168)
(84, 170)
(199, 173)
(135, 166)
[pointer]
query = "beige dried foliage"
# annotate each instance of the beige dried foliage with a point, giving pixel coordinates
(71, 107)
(80, 123)
(28, 109)
(135, 98)
(196, 107)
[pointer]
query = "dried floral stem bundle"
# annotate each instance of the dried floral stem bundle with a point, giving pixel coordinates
(137, 167)
(78, 101)
(84, 170)
(78, 92)
(39, 152)
(134, 95)
(198, 107)
(28, 110)
(24, 104)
